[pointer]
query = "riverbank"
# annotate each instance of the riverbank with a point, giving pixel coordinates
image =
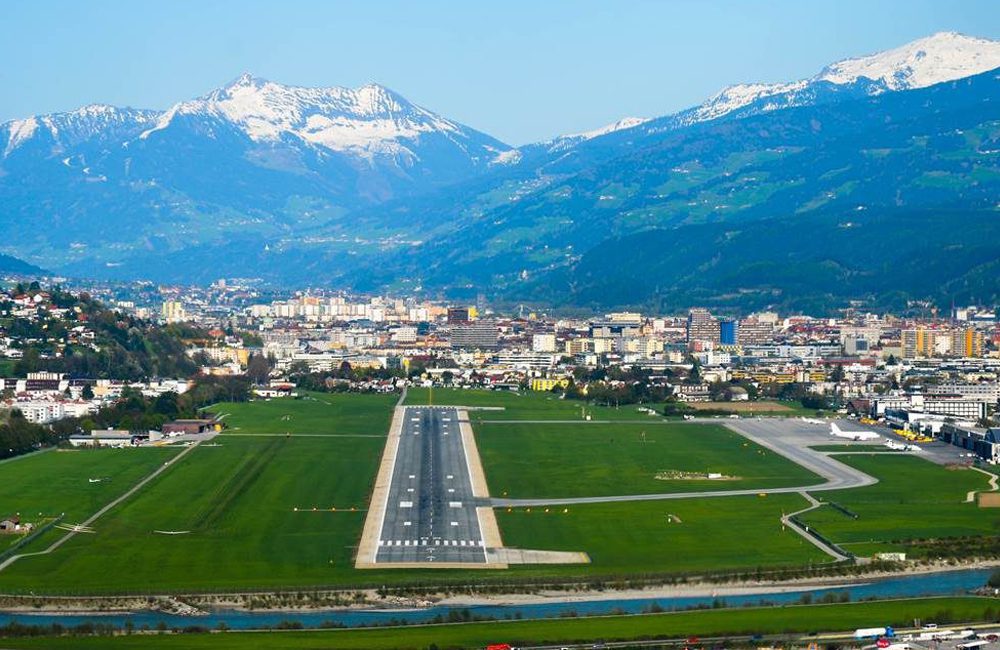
(193, 605)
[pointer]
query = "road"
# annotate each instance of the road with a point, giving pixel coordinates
(430, 509)
(790, 438)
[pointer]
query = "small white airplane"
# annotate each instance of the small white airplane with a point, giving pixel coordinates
(812, 421)
(898, 446)
(853, 435)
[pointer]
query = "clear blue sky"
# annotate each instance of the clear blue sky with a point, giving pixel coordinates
(519, 70)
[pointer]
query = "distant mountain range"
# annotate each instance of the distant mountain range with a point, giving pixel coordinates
(360, 187)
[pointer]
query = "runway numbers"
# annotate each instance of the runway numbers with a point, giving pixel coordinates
(450, 477)
(454, 504)
(405, 504)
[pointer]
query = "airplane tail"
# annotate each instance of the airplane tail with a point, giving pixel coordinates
(834, 429)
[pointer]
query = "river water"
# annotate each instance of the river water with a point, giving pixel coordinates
(932, 584)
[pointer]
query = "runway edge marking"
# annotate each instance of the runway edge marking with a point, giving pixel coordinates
(489, 529)
(368, 547)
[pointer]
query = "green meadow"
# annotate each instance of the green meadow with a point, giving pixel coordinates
(527, 405)
(316, 413)
(914, 499)
(540, 460)
(673, 536)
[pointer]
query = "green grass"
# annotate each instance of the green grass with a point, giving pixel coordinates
(528, 405)
(7, 367)
(238, 501)
(43, 485)
(797, 619)
(318, 413)
(636, 537)
(539, 460)
(914, 499)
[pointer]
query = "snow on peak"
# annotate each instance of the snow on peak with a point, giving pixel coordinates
(624, 123)
(18, 132)
(371, 118)
(941, 57)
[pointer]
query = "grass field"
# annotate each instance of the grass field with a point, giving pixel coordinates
(745, 407)
(706, 623)
(237, 501)
(527, 405)
(43, 485)
(913, 499)
(637, 537)
(326, 413)
(564, 460)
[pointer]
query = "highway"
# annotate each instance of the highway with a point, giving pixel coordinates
(430, 511)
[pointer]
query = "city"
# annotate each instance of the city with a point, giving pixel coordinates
(292, 364)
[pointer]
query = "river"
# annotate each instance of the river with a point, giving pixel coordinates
(930, 584)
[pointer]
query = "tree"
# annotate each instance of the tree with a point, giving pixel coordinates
(87, 392)
(837, 375)
(258, 368)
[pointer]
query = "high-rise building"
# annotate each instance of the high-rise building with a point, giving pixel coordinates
(702, 326)
(543, 343)
(728, 330)
(458, 315)
(967, 343)
(173, 311)
(481, 335)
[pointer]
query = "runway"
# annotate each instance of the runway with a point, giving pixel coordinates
(430, 508)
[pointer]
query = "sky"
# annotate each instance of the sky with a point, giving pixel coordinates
(522, 71)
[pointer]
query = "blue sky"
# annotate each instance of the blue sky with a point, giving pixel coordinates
(521, 71)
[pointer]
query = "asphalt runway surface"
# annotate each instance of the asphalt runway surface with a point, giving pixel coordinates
(430, 513)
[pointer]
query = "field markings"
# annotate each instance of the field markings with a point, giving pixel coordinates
(94, 517)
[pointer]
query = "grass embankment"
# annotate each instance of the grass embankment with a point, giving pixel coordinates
(563, 460)
(914, 499)
(798, 619)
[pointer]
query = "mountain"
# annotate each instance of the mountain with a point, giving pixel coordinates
(13, 266)
(100, 184)
(945, 56)
(361, 188)
(892, 152)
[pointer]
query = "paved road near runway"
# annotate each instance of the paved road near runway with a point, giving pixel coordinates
(430, 510)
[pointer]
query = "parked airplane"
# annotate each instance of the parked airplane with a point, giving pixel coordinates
(853, 435)
(812, 421)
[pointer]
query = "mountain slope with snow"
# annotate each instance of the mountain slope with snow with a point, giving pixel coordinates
(941, 57)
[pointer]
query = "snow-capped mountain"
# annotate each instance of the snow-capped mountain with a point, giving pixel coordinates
(941, 57)
(64, 130)
(367, 121)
